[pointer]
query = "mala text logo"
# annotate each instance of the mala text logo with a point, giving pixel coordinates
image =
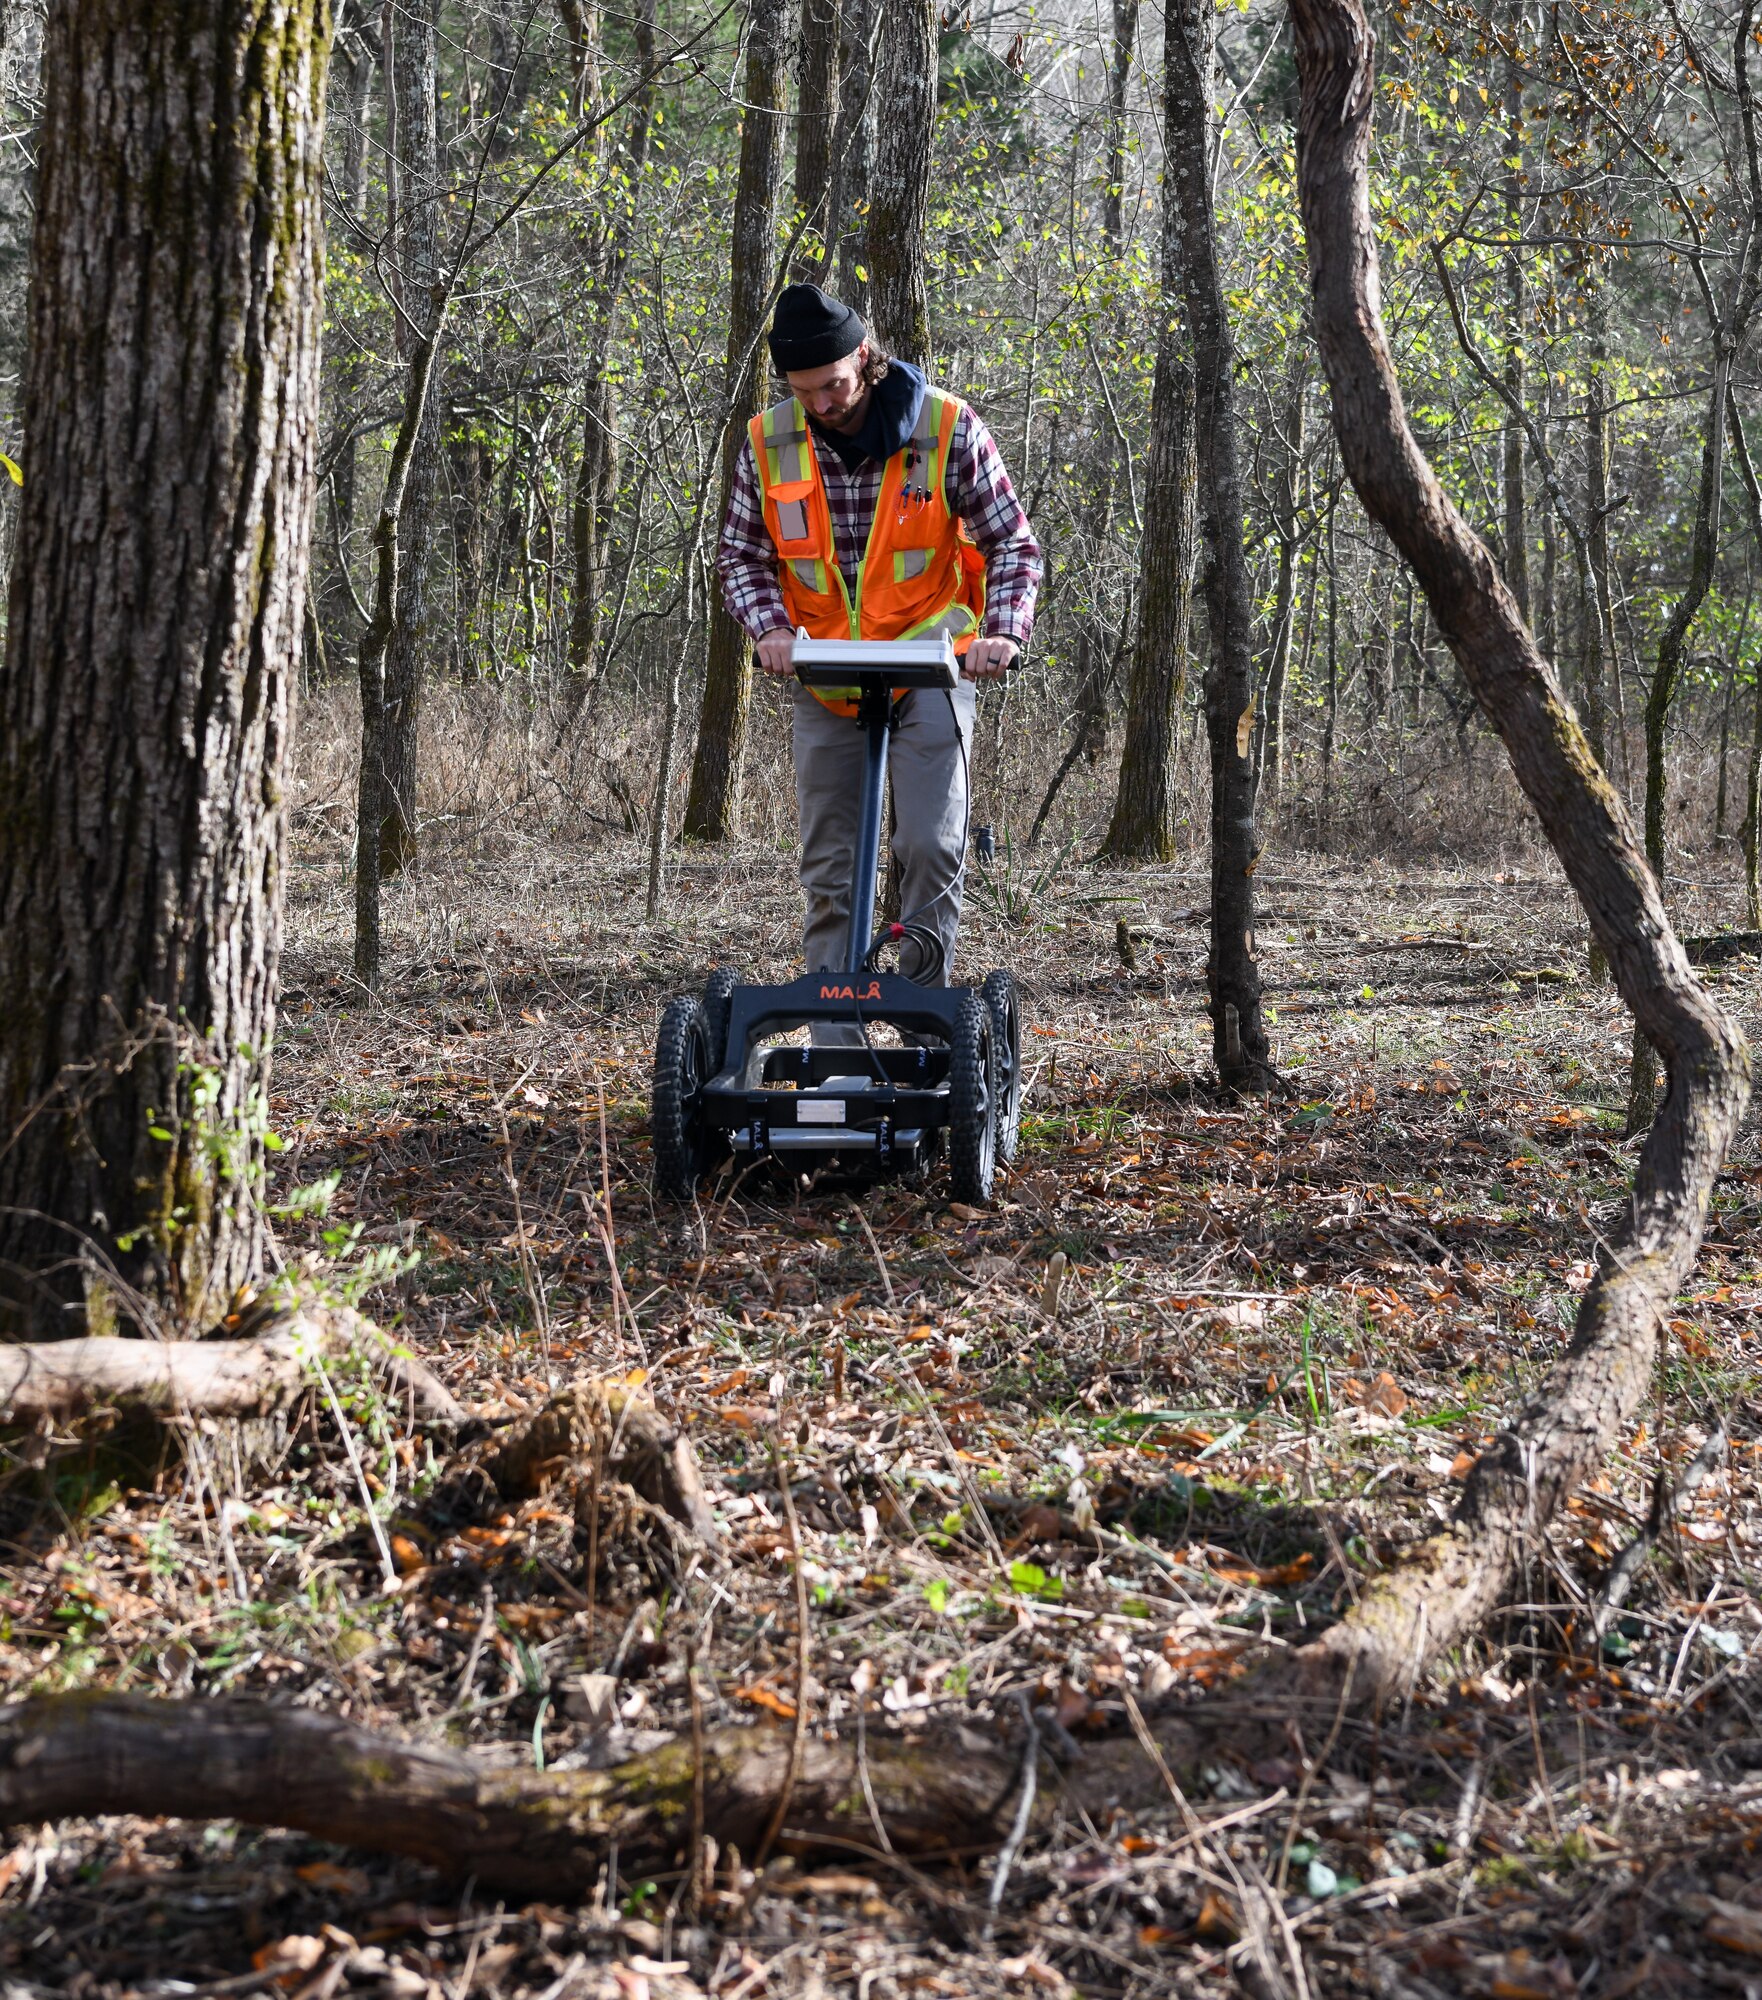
(850, 993)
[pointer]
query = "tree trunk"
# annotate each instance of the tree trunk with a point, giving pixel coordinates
(596, 480)
(410, 32)
(1517, 558)
(1143, 824)
(1593, 1394)
(1238, 1033)
(1600, 657)
(899, 185)
(1119, 79)
(373, 802)
(816, 130)
(157, 606)
(528, 1835)
(712, 804)
(63, 1379)
(1672, 651)
(1752, 826)
(850, 156)
(1269, 726)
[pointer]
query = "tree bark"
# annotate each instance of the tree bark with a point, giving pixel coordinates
(1450, 1583)
(850, 157)
(1269, 725)
(1142, 827)
(712, 804)
(410, 29)
(817, 112)
(373, 801)
(1239, 1044)
(157, 606)
(62, 1379)
(950, 1789)
(1517, 556)
(596, 479)
(1119, 79)
(899, 184)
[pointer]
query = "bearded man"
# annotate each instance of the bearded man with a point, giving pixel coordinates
(869, 504)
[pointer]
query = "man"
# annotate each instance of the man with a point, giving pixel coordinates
(869, 504)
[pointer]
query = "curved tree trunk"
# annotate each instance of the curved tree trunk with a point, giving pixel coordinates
(1592, 1395)
(157, 604)
(712, 804)
(899, 181)
(1143, 824)
(1238, 1032)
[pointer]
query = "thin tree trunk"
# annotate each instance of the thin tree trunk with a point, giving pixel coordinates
(373, 806)
(851, 148)
(816, 130)
(596, 479)
(712, 804)
(1142, 827)
(410, 30)
(1238, 1032)
(899, 184)
(1272, 701)
(1119, 79)
(158, 600)
(1517, 560)
(1752, 828)
(1672, 651)
(1590, 1398)
(1599, 653)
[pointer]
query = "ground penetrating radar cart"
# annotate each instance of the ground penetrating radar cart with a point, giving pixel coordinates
(948, 1079)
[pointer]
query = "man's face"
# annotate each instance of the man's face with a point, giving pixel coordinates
(835, 395)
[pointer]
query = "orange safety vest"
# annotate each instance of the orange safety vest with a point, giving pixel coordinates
(921, 573)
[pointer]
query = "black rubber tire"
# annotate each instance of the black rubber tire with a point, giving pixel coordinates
(1003, 1003)
(718, 996)
(682, 1064)
(972, 1105)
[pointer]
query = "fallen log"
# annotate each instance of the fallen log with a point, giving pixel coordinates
(946, 1789)
(60, 1379)
(1449, 1584)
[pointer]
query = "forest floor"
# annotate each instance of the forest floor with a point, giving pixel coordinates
(1284, 1331)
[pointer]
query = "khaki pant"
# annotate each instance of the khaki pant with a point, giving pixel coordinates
(929, 772)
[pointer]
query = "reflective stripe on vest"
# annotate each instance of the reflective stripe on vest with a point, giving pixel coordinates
(920, 574)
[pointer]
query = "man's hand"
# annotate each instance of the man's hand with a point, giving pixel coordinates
(774, 651)
(988, 659)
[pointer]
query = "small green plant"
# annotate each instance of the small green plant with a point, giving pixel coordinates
(1012, 889)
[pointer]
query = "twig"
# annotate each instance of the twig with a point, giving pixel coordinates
(799, 1734)
(1018, 1832)
(1311, 1771)
(1626, 1566)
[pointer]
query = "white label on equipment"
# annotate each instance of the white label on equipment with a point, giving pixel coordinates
(820, 1111)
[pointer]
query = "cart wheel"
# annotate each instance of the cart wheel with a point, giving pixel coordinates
(972, 1104)
(718, 996)
(682, 1063)
(999, 995)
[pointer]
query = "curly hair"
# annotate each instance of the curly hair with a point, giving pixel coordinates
(877, 364)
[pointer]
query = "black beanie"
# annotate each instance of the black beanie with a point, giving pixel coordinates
(810, 329)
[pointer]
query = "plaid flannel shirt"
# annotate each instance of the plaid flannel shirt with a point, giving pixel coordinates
(979, 492)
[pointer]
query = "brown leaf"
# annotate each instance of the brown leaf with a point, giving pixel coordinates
(1385, 1395)
(1217, 1921)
